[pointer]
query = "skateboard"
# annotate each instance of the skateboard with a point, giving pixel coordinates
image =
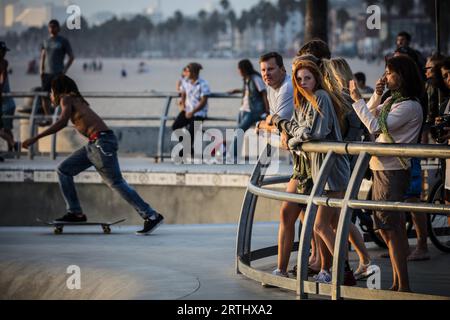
(59, 226)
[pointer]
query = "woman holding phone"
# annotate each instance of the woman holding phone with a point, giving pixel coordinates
(398, 120)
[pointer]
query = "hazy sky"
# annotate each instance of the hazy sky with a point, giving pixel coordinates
(89, 7)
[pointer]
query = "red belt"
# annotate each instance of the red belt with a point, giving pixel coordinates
(94, 136)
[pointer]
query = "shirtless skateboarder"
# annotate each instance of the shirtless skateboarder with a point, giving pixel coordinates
(100, 152)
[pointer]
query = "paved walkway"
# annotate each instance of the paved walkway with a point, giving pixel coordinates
(176, 262)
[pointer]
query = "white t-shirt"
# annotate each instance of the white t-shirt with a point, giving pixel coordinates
(194, 92)
(281, 100)
(260, 86)
(182, 80)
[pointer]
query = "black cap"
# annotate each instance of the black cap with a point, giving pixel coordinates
(3, 46)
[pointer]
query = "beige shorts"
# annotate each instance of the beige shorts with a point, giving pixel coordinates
(389, 185)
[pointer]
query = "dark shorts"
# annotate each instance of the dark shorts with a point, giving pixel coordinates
(46, 81)
(389, 185)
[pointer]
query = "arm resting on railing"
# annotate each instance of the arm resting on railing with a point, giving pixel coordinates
(300, 131)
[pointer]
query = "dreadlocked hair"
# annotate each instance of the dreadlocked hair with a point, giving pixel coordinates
(62, 84)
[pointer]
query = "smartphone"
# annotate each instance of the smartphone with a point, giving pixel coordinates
(383, 77)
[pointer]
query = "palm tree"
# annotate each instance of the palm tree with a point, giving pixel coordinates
(242, 21)
(316, 24)
(231, 16)
(342, 17)
(225, 4)
(268, 19)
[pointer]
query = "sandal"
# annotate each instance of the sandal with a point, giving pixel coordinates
(311, 271)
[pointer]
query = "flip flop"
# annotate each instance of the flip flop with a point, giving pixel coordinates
(415, 257)
(311, 271)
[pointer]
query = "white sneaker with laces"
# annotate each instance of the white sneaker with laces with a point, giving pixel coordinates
(323, 277)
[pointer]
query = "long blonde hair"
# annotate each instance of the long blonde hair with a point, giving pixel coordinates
(342, 72)
(326, 83)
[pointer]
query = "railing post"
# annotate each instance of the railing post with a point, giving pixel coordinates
(345, 219)
(53, 153)
(162, 129)
(32, 126)
(308, 223)
(243, 239)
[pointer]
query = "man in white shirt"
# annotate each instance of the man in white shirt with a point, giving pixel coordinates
(194, 100)
(279, 87)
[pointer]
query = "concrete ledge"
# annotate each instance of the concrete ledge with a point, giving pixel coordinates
(185, 194)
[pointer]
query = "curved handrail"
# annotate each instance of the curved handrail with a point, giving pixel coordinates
(303, 287)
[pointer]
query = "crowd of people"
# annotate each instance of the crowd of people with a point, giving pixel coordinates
(326, 100)
(322, 99)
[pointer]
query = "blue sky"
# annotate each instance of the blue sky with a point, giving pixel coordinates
(89, 7)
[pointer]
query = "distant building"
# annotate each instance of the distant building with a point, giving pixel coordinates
(100, 17)
(284, 38)
(6, 14)
(16, 16)
(287, 37)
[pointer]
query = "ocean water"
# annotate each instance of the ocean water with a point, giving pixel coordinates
(221, 74)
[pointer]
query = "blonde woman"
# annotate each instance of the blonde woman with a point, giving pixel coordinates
(340, 70)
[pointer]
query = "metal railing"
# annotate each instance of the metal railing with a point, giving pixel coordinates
(302, 286)
(163, 118)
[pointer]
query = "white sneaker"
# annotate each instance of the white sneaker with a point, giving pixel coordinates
(278, 272)
(322, 277)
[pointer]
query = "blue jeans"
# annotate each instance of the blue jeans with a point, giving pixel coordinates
(245, 121)
(102, 154)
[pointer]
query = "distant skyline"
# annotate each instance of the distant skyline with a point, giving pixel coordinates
(168, 7)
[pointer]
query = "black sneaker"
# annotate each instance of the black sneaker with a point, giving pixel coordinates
(150, 225)
(72, 217)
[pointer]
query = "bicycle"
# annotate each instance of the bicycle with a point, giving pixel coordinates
(439, 224)
(365, 217)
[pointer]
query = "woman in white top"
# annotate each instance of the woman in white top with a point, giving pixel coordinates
(397, 120)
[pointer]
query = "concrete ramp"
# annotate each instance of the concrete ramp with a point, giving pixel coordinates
(39, 280)
(174, 262)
